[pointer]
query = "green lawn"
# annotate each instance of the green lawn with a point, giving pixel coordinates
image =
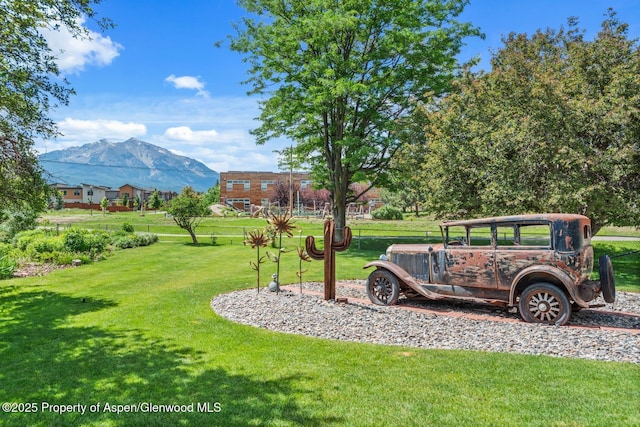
(145, 335)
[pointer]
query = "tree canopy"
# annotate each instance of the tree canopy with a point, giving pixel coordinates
(30, 87)
(339, 78)
(187, 210)
(553, 127)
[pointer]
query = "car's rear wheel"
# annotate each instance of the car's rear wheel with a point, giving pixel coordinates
(607, 280)
(383, 287)
(545, 303)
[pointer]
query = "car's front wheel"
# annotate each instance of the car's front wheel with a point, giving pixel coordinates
(545, 303)
(383, 288)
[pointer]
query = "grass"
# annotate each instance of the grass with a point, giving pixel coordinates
(145, 334)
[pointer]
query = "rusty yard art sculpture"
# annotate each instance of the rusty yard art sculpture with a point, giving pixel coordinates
(328, 254)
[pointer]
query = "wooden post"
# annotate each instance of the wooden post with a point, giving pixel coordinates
(328, 254)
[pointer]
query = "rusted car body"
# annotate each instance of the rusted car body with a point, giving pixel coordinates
(540, 264)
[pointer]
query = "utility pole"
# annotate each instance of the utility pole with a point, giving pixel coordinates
(291, 179)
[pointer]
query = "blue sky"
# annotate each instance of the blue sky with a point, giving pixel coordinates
(158, 77)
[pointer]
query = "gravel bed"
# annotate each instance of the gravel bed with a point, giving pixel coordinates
(308, 314)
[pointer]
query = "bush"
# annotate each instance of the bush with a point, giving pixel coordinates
(66, 258)
(145, 239)
(7, 267)
(42, 249)
(127, 227)
(13, 222)
(23, 239)
(132, 241)
(45, 244)
(97, 242)
(387, 212)
(124, 242)
(86, 245)
(84, 241)
(5, 249)
(74, 240)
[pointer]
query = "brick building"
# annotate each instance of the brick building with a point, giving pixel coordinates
(248, 191)
(243, 189)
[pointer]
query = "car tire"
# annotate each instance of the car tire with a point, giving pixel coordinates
(383, 287)
(607, 280)
(545, 303)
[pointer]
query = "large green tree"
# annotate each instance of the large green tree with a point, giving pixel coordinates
(30, 87)
(338, 78)
(554, 126)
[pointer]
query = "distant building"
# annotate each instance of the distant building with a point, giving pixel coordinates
(247, 190)
(69, 193)
(81, 196)
(243, 189)
(93, 193)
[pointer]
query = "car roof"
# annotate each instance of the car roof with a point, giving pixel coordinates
(529, 218)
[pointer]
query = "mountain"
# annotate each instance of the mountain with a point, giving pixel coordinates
(135, 162)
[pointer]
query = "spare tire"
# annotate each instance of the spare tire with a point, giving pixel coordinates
(607, 280)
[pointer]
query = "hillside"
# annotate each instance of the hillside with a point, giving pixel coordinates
(133, 161)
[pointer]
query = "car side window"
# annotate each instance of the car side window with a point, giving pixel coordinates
(538, 235)
(456, 235)
(480, 236)
(506, 236)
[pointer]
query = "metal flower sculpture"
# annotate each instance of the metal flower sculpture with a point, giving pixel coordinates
(282, 225)
(257, 239)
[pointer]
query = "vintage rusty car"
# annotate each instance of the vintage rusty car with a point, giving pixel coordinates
(540, 264)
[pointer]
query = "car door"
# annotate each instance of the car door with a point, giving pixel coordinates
(470, 258)
(520, 246)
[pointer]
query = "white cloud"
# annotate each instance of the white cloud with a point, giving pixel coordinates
(214, 131)
(186, 135)
(229, 158)
(91, 130)
(73, 54)
(187, 82)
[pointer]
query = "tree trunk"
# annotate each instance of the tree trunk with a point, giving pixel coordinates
(340, 187)
(339, 218)
(193, 236)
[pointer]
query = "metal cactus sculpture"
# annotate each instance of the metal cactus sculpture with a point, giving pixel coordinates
(328, 254)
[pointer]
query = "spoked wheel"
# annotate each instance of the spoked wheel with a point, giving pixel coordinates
(545, 303)
(607, 280)
(383, 288)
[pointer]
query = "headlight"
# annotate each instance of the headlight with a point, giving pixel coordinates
(383, 257)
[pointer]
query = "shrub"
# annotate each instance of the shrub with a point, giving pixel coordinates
(135, 240)
(66, 258)
(23, 239)
(84, 241)
(387, 212)
(45, 244)
(74, 240)
(124, 242)
(41, 249)
(5, 249)
(145, 239)
(13, 222)
(127, 227)
(97, 242)
(7, 267)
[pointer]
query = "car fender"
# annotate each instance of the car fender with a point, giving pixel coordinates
(404, 277)
(398, 271)
(545, 270)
